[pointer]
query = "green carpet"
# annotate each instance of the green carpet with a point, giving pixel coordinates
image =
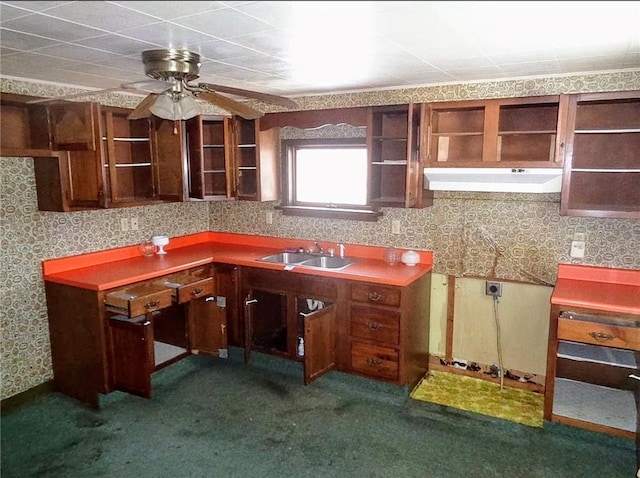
(213, 418)
(481, 396)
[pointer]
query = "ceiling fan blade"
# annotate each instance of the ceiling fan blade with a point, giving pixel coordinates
(148, 86)
(230, 105)
(267, 98)
(142, 110)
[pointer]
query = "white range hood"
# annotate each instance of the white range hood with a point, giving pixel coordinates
(511, 180)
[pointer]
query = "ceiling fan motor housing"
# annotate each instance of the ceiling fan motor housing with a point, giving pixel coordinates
(171, 63)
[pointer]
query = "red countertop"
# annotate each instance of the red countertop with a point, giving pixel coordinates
(118, 267)
(600, 288)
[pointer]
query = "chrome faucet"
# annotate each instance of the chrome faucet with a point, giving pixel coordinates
(317, 248)
(341, 249)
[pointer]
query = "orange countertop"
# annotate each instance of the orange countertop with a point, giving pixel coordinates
(105, 270)
(600, 288)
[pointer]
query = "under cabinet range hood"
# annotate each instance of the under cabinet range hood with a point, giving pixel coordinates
(510, 180)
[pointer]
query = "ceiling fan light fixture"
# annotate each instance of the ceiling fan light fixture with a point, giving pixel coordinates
(175, 108)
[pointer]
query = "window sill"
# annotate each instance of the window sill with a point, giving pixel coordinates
(331, 213)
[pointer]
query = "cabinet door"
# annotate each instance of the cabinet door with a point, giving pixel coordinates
(207, 322)
(128, 157)
(228, 287)
(132, 356)
(395, 165)
(73, 126)
(246, 158)
(210, 158)
(169, 159)
(601, 176)
(76, 179)
(319, 341)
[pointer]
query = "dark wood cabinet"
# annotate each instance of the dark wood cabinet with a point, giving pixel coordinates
(88, 156)
(292, 316)
(395, 164)
(592, 358)
(389, 331)
(103, 341)
(230, 158)
(24, 129)
(510, 132)
(602, 166)
(144, 158)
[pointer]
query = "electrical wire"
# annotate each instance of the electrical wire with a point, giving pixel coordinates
(498, 341)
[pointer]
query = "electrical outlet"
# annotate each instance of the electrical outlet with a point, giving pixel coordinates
(577, 249)
(134, 223)
(269, 217)
(124, 224)
(493, 288)
(395, 227)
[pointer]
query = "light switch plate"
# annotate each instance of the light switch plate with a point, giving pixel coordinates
(577, 249)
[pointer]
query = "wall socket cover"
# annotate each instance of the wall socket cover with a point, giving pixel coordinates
(395, 227)
(577, 249)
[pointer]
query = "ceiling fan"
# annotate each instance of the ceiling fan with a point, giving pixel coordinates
(171, 93)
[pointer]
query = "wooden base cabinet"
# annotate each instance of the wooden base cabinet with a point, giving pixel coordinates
(292, 316)
(389, 331)
(103, 341)
(593, 357)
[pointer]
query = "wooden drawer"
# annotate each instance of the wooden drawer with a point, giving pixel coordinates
(377, 324)
(376, 294)
(373, 360)
(186, 287)
(607, 335)
(139, 299)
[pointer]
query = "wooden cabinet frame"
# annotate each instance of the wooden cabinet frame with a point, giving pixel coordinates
(475, 133)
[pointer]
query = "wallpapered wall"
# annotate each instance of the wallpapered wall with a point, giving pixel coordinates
(509, 236)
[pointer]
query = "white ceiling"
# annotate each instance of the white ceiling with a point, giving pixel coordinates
(306, 48)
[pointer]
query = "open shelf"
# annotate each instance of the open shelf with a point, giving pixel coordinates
(596, 404)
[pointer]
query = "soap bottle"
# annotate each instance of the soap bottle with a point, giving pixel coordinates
(300, 346)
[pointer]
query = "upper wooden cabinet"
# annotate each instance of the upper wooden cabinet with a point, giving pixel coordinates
(395, 166)
(111, 161)
(513, 132)
(602, 162)
(230, 158)
(24, 129)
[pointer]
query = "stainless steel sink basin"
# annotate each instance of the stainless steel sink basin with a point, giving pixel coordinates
(328, 262)
(287, 257)
(308, 260)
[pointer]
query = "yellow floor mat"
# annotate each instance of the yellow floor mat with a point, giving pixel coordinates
(481, 396)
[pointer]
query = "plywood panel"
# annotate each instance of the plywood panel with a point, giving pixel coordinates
(523, 311)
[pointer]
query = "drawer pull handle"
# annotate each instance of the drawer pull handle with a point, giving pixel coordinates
(373, 362)
(373, 325)
(375, 297)
(601, 336)
(152, 304)
(197, 291)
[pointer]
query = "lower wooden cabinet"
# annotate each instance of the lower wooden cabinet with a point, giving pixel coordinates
(389, 331)
(591, 370)
(292, 316)
(377, 331)
(110, 340)
(116, 339)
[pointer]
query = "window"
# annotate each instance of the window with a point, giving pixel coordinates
(326, 178)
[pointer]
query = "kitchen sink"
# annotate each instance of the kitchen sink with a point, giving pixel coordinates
(328, 262)
(308, 260)
(287, 257)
